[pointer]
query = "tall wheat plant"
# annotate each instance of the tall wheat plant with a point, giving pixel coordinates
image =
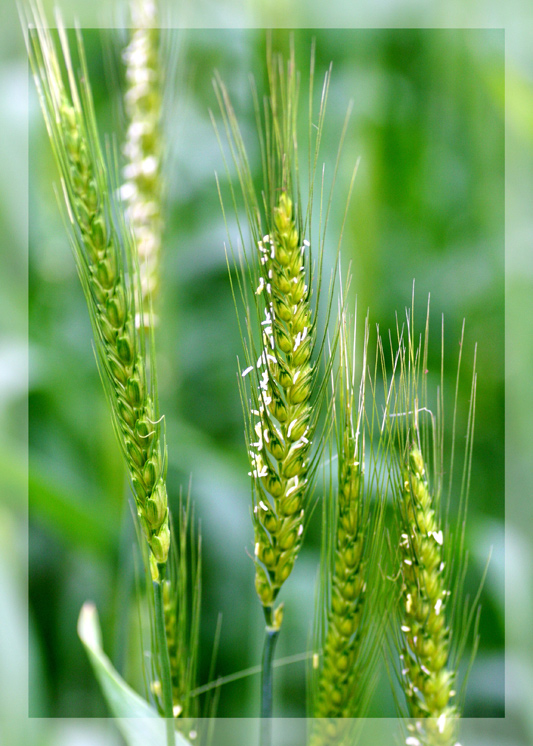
(116, 256)
(279, 288)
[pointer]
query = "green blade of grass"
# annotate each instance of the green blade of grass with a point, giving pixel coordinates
(138, 722)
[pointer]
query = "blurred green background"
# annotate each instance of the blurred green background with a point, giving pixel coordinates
(428, 204)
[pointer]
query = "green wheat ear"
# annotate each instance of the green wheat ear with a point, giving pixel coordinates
(283, 384)
(428, 680)
(351, 616)
(279, 282)
(434, 619)
(181, 597)
(142, 190)
(281, 420)
(280, 453)
(107, 267)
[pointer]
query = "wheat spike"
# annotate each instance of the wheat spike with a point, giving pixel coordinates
(181, 601)
(280, 419)
(142, 190)
(435, 619)
(350, 629)
(107, 269)
(279, 456)
(428, 681)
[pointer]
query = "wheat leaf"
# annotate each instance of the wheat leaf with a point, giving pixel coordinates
(138, 722)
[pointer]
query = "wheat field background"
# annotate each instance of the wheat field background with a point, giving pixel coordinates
(442, 121)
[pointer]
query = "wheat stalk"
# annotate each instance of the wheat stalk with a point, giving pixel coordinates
(142, 192)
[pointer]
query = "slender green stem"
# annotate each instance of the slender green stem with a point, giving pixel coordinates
(271, 637)
(166, 681)
(252, 671)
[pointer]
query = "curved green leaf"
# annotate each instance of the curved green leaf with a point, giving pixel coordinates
(137, 720)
